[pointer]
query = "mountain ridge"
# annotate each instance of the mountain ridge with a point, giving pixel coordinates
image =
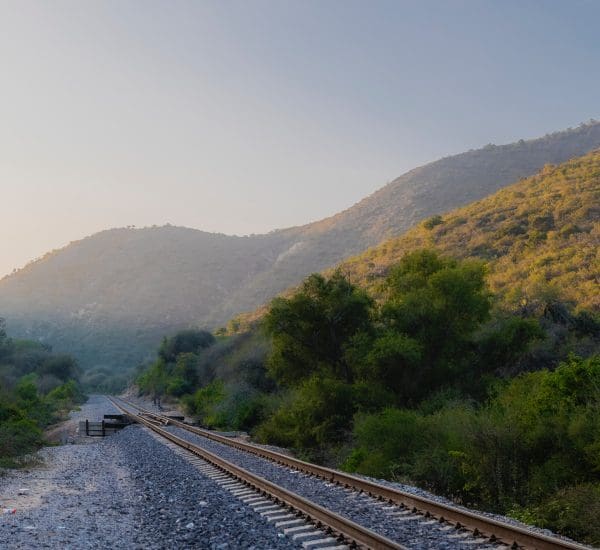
(131, 286)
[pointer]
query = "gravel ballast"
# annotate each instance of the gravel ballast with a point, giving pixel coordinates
(127, 490)
(360, 509)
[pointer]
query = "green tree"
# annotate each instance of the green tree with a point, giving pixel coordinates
(185, 341)
(155, 380)
(63, 367)
(5, 342)
(436, 304)
(394, 361)
(313, 330)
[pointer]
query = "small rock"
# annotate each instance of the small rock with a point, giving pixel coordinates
(190, 525)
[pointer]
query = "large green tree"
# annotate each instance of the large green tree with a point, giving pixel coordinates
(433, 307)
(313, 330)
(185, 341)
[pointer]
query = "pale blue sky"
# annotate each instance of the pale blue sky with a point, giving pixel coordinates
(244, 116)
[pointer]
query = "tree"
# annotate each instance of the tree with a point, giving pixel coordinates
(5, 342)
(184, 377)
(63, 367)
(394, 361)
(436, 304)
(313, 329)
(185, 341)
(154, 381)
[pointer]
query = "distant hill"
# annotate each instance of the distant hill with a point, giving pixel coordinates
(110, 297)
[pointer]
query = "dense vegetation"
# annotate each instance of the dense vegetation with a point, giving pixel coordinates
(463, 357)
(531, 449)
(37, 388)
(109, 298)
(409, 387)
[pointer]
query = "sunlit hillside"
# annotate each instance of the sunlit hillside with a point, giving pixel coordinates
(540, 237)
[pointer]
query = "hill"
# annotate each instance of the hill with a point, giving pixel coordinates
(110, 297)
(539, 237)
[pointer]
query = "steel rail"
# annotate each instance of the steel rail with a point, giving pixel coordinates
(346, 528)
(495, 530)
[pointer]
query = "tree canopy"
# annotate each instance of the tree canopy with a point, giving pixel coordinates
(313, 330)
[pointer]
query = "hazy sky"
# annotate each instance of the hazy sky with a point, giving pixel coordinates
(243, 116)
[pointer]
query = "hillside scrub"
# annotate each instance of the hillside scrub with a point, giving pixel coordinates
(222, 381)
(338, 354)
(37, 388)
(538, 237)
(330, 352)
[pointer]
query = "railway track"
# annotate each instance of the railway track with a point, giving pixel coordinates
(334, 527)
(485, 531)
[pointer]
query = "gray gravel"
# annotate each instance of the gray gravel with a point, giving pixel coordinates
(359, 508)
(124, 491)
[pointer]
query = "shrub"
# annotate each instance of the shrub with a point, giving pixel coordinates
(203, 402)
(430, 223)
(17, 437)
(573, 511)
(386, 442)
(317, 415)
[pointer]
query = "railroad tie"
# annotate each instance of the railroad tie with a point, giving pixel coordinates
(318, 542)
(281, 517)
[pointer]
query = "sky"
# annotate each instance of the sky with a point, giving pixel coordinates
(242, 116)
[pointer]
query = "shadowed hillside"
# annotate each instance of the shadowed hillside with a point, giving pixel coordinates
(110, 297)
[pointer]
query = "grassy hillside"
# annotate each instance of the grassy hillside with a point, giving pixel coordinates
(110, 297)
(540, 238)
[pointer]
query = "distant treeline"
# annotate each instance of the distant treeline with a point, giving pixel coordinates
(432, 383)
(37, 388)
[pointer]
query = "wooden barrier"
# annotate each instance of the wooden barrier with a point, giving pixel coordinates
(103, 428)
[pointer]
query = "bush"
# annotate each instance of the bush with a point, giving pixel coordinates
(35, 387)
(315, 416)
(204, 401)
(573, 511)
(386, 442)
(65, 396)
(18, 436)
(430, 223)
(537, 436)
(178, 387)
